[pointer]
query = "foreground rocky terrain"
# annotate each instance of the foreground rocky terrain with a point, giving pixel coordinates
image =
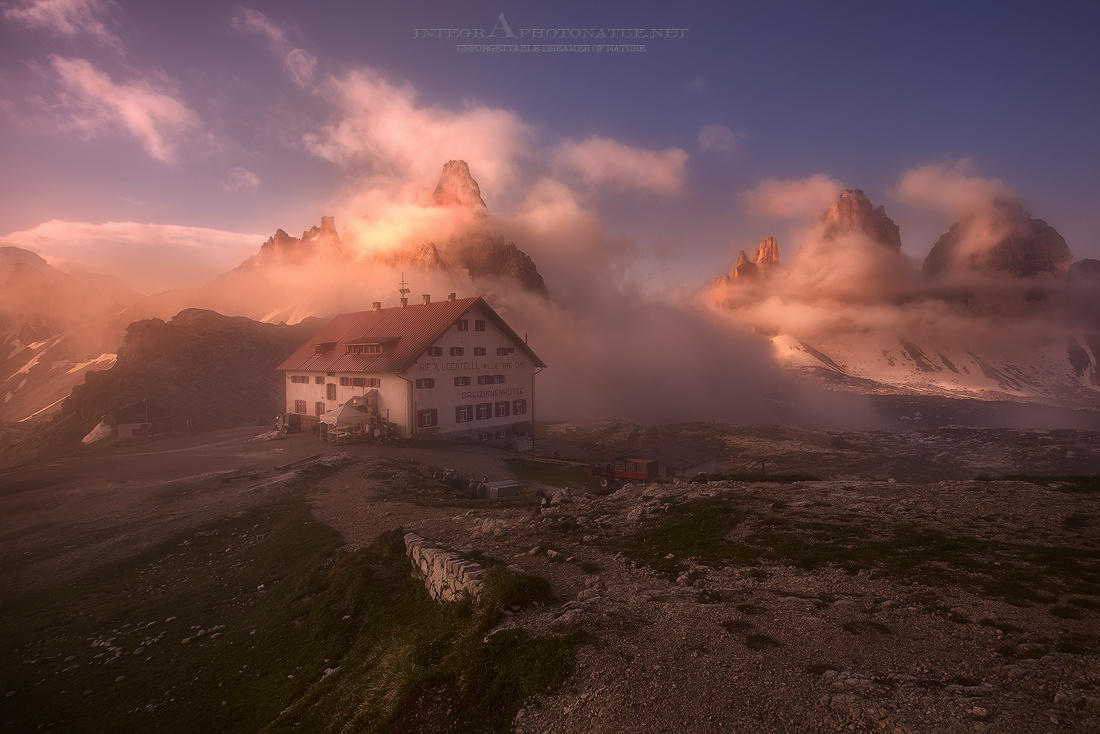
(197, 582)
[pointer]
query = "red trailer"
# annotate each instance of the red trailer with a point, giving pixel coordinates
(625, 469)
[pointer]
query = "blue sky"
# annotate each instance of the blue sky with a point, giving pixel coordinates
(238, 137)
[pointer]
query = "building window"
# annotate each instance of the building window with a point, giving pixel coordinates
(372, 381)
(462, 381)
(479, 351)
(344, 382)
(502, 409)
(427, 418)
(505, 351)
(502, 434)
(330, 391)
(318, 380)
(300, 379)
(331, 374)
(364, 348)
(479, 325)
(484, 411)
(519, 407)
(319, 408)
(423, 382)
(464, 413)
(457, 351)
(360, 382)
(300, 407)
(435, 351)
(463, 325)
(490, 379)
(484, 436)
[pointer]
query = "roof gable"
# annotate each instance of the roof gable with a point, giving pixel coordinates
(404, 333)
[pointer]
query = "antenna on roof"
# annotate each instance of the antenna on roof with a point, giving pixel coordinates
(403, 289)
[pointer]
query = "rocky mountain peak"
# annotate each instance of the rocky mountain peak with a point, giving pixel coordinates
(425, 256)
(474, 248)
(767, 255)
(1005, 239)
(12, 256)
(487, 255)
(852, 213)
(282, 248)
(457, 187)
(1088, 268)
(744, 267)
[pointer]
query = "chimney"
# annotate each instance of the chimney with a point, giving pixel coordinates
(427, 298)
(376, 306)
(450, 296)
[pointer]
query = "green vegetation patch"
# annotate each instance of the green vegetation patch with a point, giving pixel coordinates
(1062, 483)
(551, 474)
(743, 530)
(778, 478)
(407, 481)
(262, 623)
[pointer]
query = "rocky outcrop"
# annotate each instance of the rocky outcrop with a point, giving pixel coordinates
(479, 251)
(852, 213)
(743, 268)
(767, 254)
(209, 370)
(485, 255)
(1085, 270)
(767, 257)
(1004, 239)
(446, 575)
(282, 249)
(425, 256)
(457, 187)
(476, 249)
(54, 325)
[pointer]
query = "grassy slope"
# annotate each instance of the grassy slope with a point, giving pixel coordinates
(746, 530)
(262, 623)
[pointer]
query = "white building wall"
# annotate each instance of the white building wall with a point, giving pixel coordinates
(392, 394)
(517, 368)
(311, 392)
(399, 399)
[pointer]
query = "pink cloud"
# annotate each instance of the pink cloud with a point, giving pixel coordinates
(603, 161)
(299, 63)
(65, 17)
(240, 179)
(719, 139)
(384, 128)
(149, 256)
(95, 102)
(800, 198)
(951, 187)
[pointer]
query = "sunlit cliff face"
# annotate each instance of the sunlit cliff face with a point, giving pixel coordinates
(844, 273)
(993, 309)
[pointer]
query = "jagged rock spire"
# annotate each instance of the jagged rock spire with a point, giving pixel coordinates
(852, 213)
(457, 187)
(767, 254)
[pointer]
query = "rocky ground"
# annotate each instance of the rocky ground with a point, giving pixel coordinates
(881, 596)
(812, 606)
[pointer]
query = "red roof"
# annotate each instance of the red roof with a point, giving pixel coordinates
(405, 333)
